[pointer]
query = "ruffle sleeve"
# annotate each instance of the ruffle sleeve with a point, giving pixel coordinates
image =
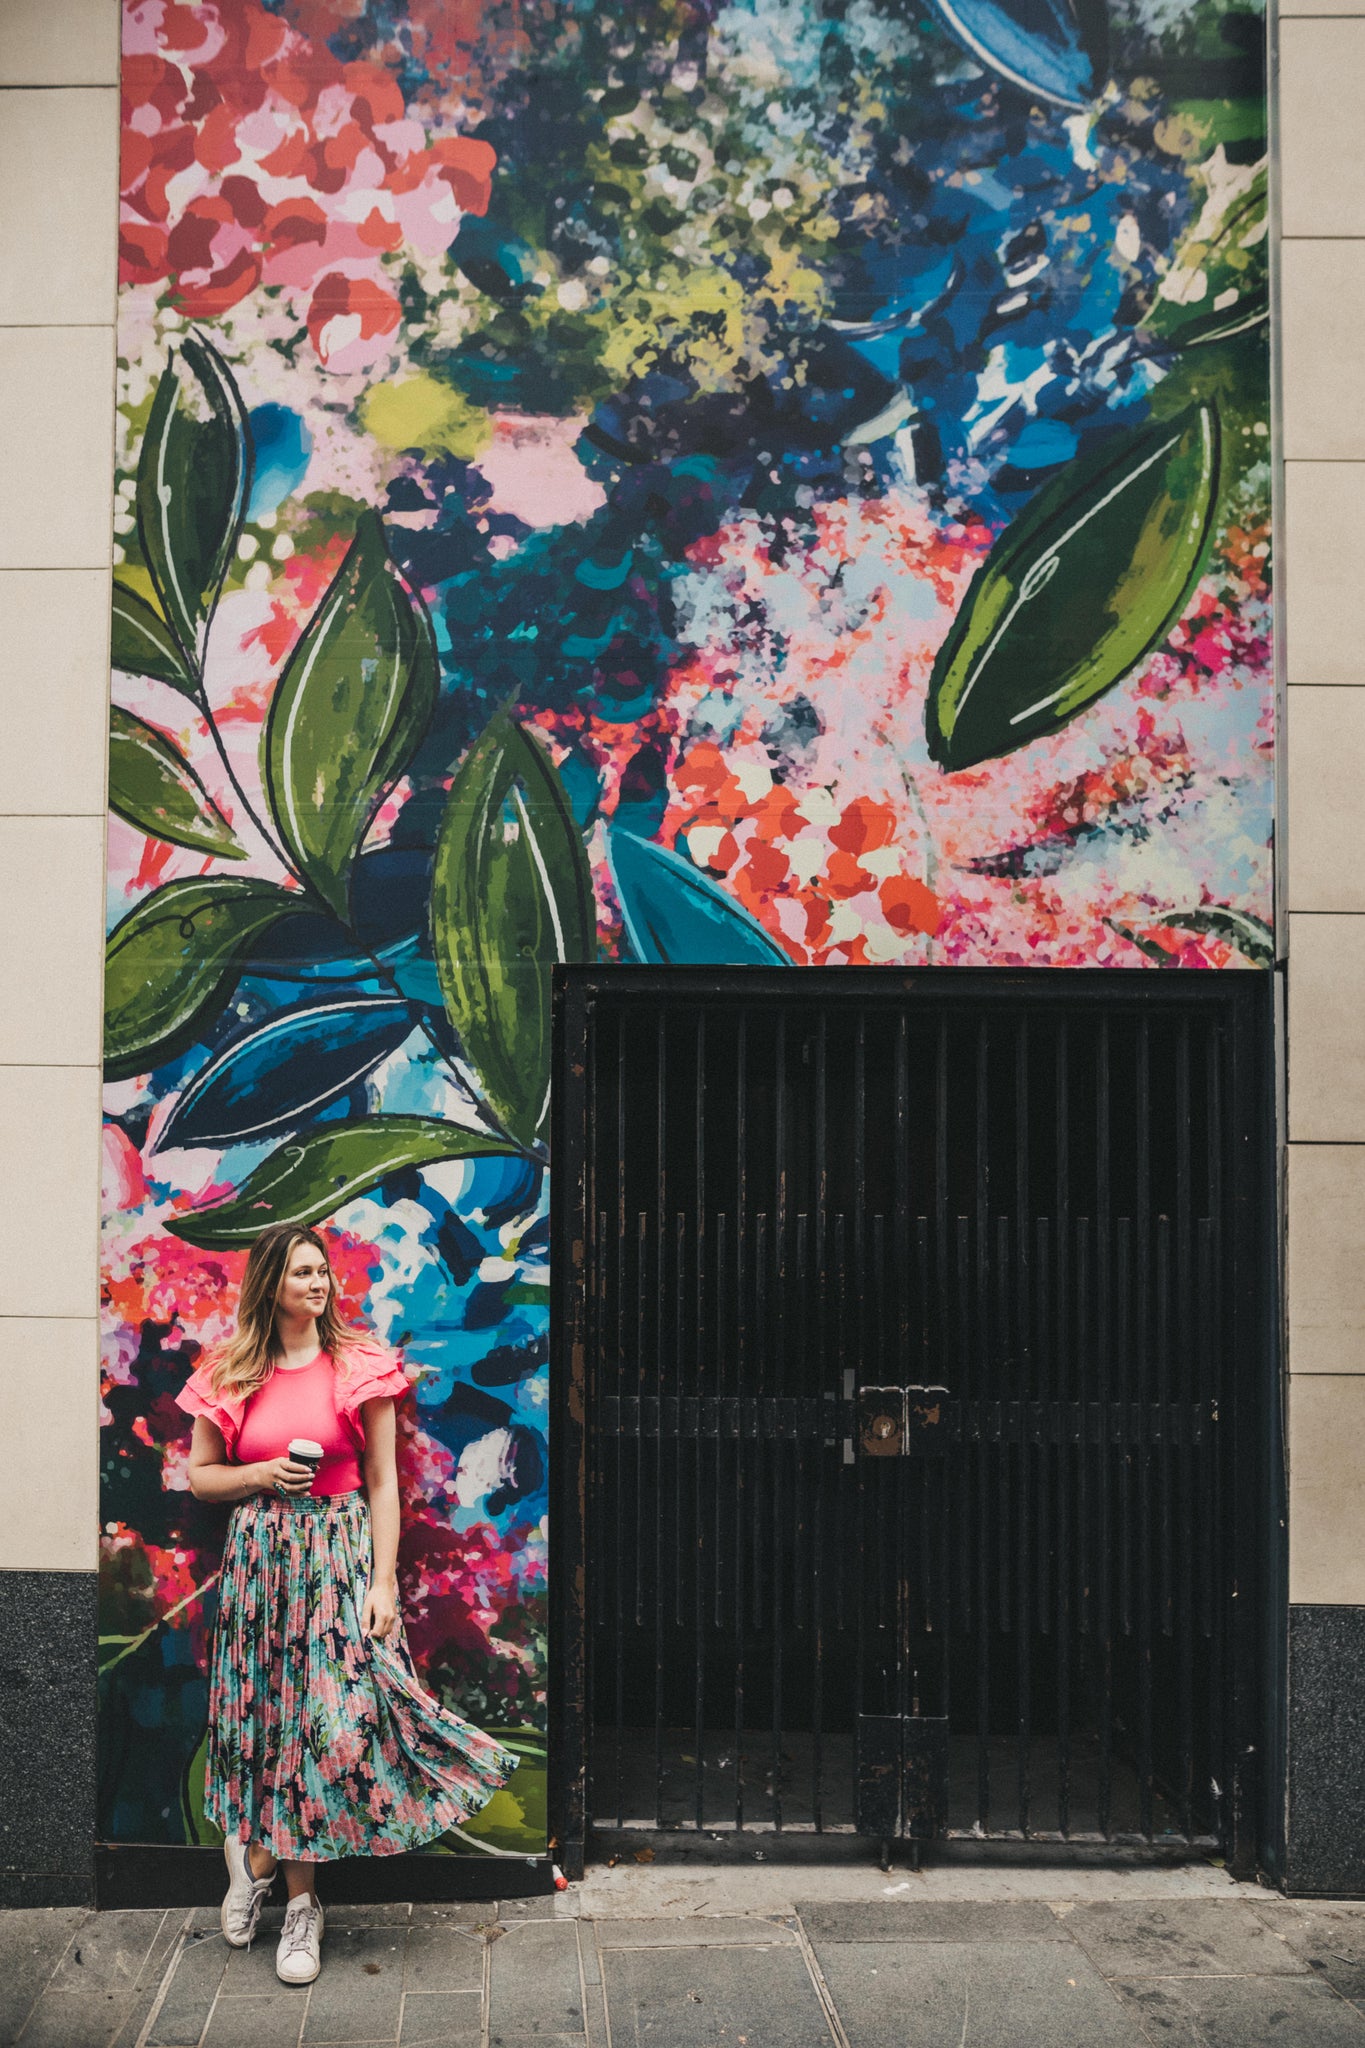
(197, 1397)
(371, 1373)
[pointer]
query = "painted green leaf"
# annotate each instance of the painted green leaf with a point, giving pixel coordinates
(1090, 577)
(511, 895)
(142, 644)
(171, 964)
(193, 475)
(1218, 283)
(676, 916)
(199, 1829)
(304, 1182)
(1253, 939)
(153, 787)
(348, 713)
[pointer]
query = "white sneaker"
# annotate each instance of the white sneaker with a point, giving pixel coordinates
(299, 1955)
(246, 1894)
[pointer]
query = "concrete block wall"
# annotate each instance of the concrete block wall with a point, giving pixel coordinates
(58, 244)
(1321, 47)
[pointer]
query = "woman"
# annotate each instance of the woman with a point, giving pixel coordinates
(322, 1742)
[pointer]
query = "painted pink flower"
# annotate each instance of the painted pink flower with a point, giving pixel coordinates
(254, 156)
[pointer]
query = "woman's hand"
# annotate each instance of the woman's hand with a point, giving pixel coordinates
(283, 1475)
(379, 1615)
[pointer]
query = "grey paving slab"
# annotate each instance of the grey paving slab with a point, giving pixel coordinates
(1242, 2012)
(443, 1959)
(986, 1994)
(33, 1940)
(715, 1998)
(441, 2019)
(76, 2019)
(535, 1983)
(1330, 1939)
(692, 1933)
(159, 1955)
(457, 1913)
(544, 1906)
(258, 2022)
(541, 2041)
(1181, 1938)
(189, 1999)
(251, 1971)
(359, 1995)
(367, 1916)
(108, 1953)
(931, 1920)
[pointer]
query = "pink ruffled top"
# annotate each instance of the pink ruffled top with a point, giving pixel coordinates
(313, 1400)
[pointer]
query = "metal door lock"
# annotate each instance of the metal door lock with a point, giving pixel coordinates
(900, 1422)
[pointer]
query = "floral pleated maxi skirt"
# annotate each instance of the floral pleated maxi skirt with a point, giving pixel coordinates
(322, 1741)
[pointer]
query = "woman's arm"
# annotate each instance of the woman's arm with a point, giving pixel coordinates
(212, 1478)
(380, 1614)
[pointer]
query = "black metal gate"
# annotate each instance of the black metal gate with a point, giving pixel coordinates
(916, 1436)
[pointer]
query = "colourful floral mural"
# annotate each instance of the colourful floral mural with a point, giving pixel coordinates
(774, 481)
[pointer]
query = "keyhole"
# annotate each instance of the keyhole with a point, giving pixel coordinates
(883, 1427)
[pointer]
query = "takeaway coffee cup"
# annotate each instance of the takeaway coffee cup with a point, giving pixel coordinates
(304, 1451)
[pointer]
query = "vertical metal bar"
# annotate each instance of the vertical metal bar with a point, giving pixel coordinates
(984, 1459)
(1004, 1403)
(1143, 1392)
(679, 1437)
(905, 1562)
(1123, 1359)
(623, 1386)
(1083, 1354)
(1222, 1761)
(703, 1384)
(828, 1471)
(721, 1270)
(1186, 1391)
(661, 1383)
(858, 1319)
(743, 1466)
(1049, 1409)
(1065, 1456)
(643, 1238)
(1023, 1207)
(964, 1545)
(1104, 1564)
(778, 1382)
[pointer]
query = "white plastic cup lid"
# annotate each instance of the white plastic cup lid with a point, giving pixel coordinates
(304, 1447)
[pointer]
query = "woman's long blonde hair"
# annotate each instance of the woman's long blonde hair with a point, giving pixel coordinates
(246, 1361)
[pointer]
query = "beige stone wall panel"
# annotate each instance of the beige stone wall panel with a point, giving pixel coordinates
(54, 629)
(1323, 321)
(57, 433)
(1327, 1029)
(1326, 1258)
(1324, 503)
(59, 222)
(1327, 1488)
(52, 940)
(50, 1151)
(1325, 745)
(48, 1384)
(59, 42)
(1322, 134)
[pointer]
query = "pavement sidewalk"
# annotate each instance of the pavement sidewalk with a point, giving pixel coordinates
(760, 1956)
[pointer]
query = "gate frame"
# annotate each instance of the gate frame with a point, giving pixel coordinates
(1258, 1528)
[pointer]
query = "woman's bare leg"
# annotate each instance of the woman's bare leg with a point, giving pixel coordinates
(300, 1880)
(259, 1860)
